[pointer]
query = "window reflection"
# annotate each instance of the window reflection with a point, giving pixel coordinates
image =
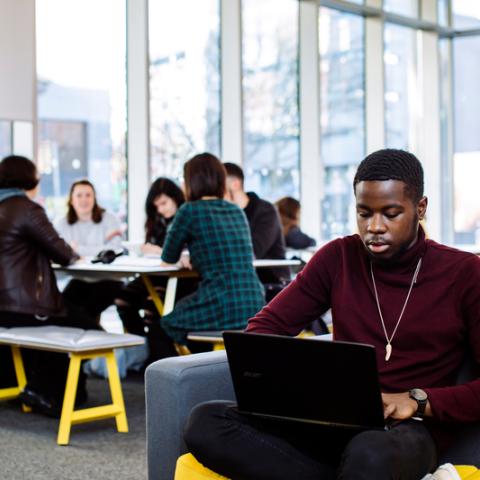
(466, 162)
(270, 97)
(5, 138)
(341, 42)
(82, 100)
(400, 87)
(184, 82)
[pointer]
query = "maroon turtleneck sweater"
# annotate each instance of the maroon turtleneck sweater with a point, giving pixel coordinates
(441, 321)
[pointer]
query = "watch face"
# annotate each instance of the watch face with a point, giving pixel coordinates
(418, 394)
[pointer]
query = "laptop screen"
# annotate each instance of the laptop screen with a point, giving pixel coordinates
(305, 380)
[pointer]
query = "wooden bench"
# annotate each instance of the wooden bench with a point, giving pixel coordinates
(79, 345)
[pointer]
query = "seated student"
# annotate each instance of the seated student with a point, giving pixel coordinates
(163, 200)
(416, 301)
(88, 228)
(289, 210)
(265, 228)
(218, 239)
(28, 290)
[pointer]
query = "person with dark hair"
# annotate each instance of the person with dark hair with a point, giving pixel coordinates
(289, 210)
(164, 199)
(265, 228)
(416, 301)
(28, 290)
(218, 239)
(89, 229)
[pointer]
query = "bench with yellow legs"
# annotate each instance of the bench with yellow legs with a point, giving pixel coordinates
(13, 392)
(79, 345)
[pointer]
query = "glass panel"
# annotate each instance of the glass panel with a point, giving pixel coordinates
(342, 83)
(82, 100)
(466, 161)
(23, 139)
(184, 82)
(270, 97)
(443, 14)
(402, 7)
(444, 51)
(400, 86)
(5, 138)
(466, 14)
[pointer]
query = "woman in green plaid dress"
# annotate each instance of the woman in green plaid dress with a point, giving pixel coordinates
(218, 237)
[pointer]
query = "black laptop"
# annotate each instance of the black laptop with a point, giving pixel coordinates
(305, 380)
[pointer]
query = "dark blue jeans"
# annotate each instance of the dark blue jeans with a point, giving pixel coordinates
(245, 448)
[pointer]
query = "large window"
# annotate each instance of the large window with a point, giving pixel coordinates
(81, 48)
(466, 14)
(408, 8)
(466, 162)
(184, 82)
(270, 97)
(401, 89)
(5, 138)
(341, 43)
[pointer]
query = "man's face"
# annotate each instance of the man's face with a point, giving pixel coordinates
(233, 185)
(387, 218)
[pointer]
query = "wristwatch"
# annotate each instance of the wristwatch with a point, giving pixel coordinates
(421, 397)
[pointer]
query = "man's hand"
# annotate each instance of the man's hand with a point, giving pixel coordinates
(398, 406)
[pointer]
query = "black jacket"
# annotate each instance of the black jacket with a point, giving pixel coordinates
(28, 242)
(267, 237)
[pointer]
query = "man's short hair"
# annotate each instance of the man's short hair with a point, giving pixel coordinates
(233, 170)
(392, 164)
(18, 172)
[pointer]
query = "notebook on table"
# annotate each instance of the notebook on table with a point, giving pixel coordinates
(304, 380)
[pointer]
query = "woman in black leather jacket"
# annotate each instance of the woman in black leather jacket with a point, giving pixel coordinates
(28, 290)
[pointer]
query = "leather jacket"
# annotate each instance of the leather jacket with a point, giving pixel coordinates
(28, 242)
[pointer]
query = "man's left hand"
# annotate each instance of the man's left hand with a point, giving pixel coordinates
(398, 406)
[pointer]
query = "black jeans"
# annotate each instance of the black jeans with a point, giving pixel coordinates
(245, 448)
(90, 299)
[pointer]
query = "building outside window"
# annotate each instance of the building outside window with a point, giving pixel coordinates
(184, 82)
(270, 97)
(342, 97)
(82, 100)
(466, 159)
(407, 8)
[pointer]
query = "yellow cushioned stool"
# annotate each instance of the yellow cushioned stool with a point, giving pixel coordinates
(189, 469)
(467, 472)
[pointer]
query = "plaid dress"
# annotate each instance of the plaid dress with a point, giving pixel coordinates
(218, 238)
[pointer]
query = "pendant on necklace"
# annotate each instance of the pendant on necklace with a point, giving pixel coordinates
(388, 351)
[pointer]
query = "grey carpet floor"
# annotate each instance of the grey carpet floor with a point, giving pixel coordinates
(28, 448)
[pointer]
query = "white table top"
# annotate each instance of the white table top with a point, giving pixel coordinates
(127, 265)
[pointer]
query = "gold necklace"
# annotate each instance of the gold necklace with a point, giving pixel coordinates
(388, 346)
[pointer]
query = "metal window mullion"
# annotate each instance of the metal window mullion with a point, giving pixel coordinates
(138, 145)
(374, 81)
(311, 164)
(429, 121)
(231, 78)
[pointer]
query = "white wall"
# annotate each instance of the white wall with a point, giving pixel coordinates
(17, 59)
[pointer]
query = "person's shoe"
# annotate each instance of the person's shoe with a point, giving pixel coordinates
(40, 403)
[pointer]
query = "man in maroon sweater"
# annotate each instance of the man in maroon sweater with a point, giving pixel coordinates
(416, 301)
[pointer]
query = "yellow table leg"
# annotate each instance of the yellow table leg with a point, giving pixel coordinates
(20, 373)
(116, 392)
(69, 400)
(153, 293)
